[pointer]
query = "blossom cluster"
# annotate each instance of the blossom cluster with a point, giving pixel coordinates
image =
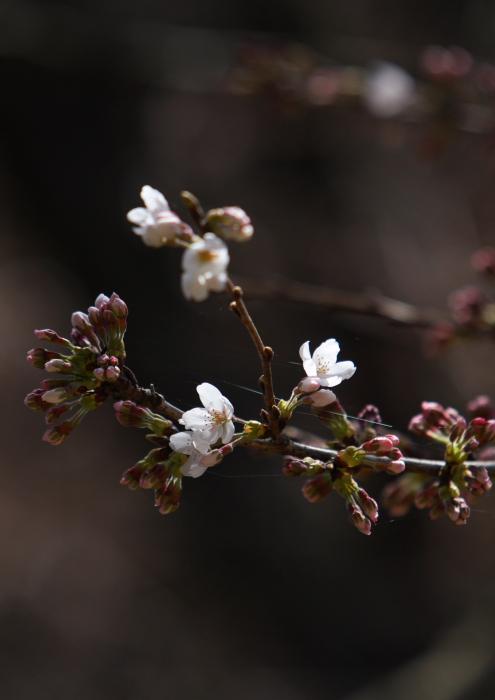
(83, 370)
(206, 257)
(459, 482)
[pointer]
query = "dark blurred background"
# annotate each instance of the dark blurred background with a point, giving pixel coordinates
(247, 591)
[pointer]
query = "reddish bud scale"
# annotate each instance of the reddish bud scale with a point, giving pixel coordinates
(167, 498)
(318, 488)
(57, 434)
(38, 357)
(35, 402)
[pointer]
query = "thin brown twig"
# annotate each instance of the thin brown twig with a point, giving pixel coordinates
(371, 303)
(265, 352)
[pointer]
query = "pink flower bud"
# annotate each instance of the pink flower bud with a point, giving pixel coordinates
(308, 385)
(395, 467)
(99, 373)
(58, 366)
(481, 406)
(369, 505)
(55, 395)
(101, 300)
(231, 223)
(51, 337)
(359, 520)
(112, 374)
(321, 398)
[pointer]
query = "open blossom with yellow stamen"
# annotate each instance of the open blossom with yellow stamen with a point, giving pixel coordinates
(213, 422)
(204, 266)
(323, 365)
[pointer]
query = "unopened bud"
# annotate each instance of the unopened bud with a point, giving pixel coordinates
(231, 223)
(55, 395)
(58, 365)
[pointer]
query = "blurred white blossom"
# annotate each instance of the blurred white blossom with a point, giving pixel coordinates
(389, 90)
(204, 267)
(155, 222)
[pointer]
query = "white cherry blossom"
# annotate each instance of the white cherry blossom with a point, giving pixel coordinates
(155, 222)
(389, 90)
(213, 422)
(204, 267)
(198, 451)
(323, 363)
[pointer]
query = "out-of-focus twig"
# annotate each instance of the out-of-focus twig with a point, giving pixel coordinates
(370, 303)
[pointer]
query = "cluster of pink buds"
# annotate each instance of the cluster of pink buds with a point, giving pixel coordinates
(468, 308)
(363, 511)
(328, 477)
(447, 426)
(108, 369)
(160, 470)
(83, 369)
(435, 421)
(442, 499)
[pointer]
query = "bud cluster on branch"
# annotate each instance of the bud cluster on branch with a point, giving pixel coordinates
(89, 367)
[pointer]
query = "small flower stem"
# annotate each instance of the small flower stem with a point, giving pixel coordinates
(265, 352)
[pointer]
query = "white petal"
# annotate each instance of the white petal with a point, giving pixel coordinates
(228, 432)
(327, 352)
(330, 380)
(194, 286)
(304, 351)
(216, 282)
(193, 467)
(201, 443)
(345, 370)
(310, 368)
(196, 419)
(154, 200)
(214, 242)
(182, 442)
(158, 235)
(139, 216)
(190, 260)
(210, 396)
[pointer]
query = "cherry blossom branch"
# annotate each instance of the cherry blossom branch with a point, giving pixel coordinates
(149, 398)
(89, 367)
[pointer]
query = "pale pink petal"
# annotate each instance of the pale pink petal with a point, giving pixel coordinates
(154, 200)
